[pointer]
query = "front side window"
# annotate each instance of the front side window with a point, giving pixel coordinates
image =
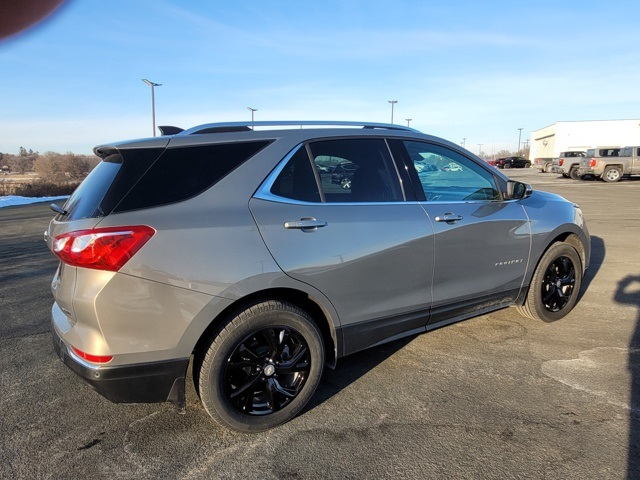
(446, 175)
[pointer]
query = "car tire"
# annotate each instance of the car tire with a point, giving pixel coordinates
(262, 368)
(555, 285)
(507, 165)
(612, 174)
(527, 165)
(574, 174)
(547, 168)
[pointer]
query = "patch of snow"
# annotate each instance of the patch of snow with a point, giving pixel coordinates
(12, 200)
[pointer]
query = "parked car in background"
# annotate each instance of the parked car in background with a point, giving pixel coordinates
(423, 166)
(568, 163)
(343, 173)
(611, 163)
(247, 264)
(513, 162)
(543, 164)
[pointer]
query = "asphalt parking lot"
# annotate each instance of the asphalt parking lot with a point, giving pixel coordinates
(498, 396)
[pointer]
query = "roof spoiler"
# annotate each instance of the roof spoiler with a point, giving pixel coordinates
(169, 130)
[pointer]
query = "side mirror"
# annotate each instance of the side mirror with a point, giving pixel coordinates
(518, 190)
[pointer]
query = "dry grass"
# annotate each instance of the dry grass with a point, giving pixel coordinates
(30, 186)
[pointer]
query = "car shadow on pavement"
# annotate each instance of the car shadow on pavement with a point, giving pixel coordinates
(352, 367)
(628, 293)
(598, 253)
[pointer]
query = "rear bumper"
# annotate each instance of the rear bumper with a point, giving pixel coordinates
(141, 383)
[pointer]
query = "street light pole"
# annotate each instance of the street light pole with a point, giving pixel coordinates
(480, 148)
(153, 102)
(464, 141)
(519, 136)
(252, 110)
(408, 120)
(392, 102)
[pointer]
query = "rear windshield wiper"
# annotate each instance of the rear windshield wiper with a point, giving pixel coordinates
(58, 210)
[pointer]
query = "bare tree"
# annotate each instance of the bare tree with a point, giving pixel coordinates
(59, 168)
(19, 163)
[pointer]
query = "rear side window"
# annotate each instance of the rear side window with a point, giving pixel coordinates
(297, 180)
(347, 170)
(143, 178)
(182, 173)
(609, 152)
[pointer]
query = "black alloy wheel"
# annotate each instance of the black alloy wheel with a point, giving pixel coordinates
(555, 284)
(267, 370)
(261, 368)
(558, 284)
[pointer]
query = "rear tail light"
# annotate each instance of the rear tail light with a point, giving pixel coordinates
(593, 162)
(561, 161)
(101, 248)
(92, 358)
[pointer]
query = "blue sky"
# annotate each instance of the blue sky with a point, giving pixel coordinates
(459, 69)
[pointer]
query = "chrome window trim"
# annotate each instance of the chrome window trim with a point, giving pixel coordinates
(263, 192)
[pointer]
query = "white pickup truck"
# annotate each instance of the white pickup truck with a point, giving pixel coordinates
(567, 164)
(610, 163)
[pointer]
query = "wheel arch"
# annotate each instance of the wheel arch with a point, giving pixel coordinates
(568, 237)
(300, 299)
(607, 168)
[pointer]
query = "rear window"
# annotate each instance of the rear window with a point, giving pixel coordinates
(85, 200)
(143, 178)
(105, 186)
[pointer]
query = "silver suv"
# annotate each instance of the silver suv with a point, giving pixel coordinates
(233, 248)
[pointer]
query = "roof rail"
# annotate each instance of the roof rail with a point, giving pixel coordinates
(243, 126)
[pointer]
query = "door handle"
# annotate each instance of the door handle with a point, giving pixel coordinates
(307, 224)
(449, 218)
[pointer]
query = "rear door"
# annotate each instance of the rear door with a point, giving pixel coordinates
(481, 241)
(360, 243)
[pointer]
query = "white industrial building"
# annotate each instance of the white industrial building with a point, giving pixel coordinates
(582, 135)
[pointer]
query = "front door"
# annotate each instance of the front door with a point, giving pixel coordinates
(481, 241)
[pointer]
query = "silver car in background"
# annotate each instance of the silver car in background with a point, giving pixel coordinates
(233, 247)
